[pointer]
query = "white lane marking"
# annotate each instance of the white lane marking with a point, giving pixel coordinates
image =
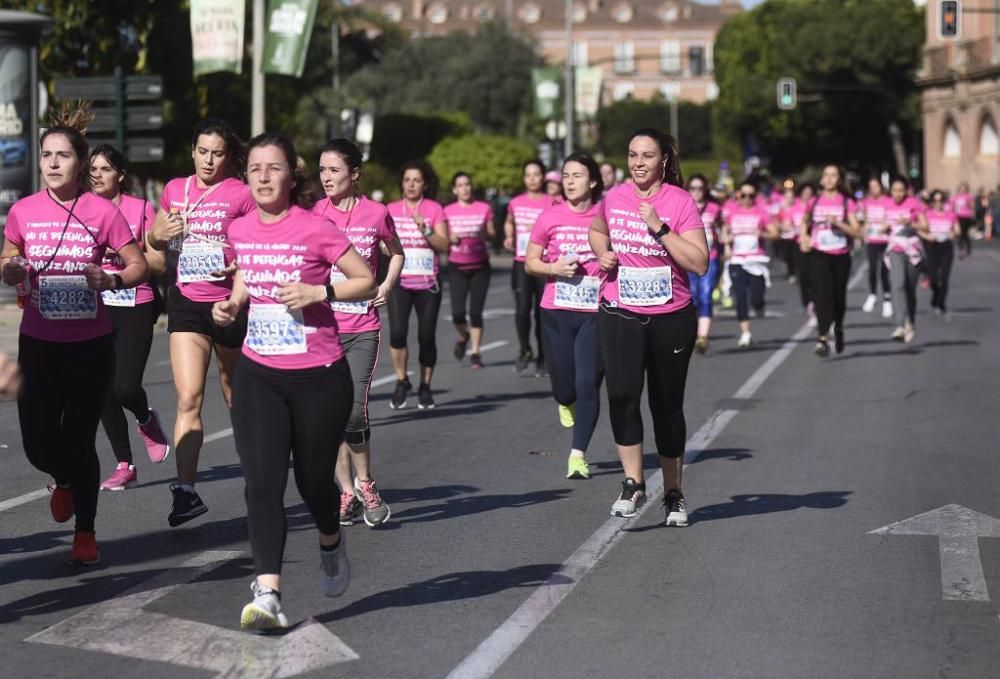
(958, 530)
(387, 379)
(121, 627)
(487, 658)
(731, 313)
(489, 346)
(218, 435)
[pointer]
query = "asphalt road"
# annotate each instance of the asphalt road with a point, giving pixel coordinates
(493, 563)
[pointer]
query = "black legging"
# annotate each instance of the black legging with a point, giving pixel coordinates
(527, 297)
(805, 279)
(428, 305)
(471, 284)
(65, 384)
(132, 333)
(571, 344)
(743, 283)
(277, 412)
(829, 290)
(940, 257)
(964, 242)
(656, 349)
(877, 270)
(785, 250)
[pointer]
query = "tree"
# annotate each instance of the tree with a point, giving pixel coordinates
(854, 61)
(493, 161)
(618, 121)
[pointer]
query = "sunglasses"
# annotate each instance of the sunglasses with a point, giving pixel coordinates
(748, 195)
(696, 187)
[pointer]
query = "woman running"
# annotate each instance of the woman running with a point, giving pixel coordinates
(522, 211)
(560, 253)
(743, 235)
(827, 228)
(54, 243)
(786, 245)
(873, 209)
(133, 313)
(964, 205)
(194, 217)
(647, 237)
(423, 233)
(292, 393)
(905, 215)
(370, 229)
(943, 227)
(703, 286)
(553, 186)
(470, 225)
(792, 220)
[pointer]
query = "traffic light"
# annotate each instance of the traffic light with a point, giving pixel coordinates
(950, 27)
(787, 95)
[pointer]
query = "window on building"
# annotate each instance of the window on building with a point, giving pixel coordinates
(952, 141)
(624, 57)
(579, 12)
(696, 60)
(989, 140)
(670, 56)
(484, 12)
(622, 12)
(668, 12)
(530, 13)
(580, 53)
(622, 90)
(393, 12)
(437, 13)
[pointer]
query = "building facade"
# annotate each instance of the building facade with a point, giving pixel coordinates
(641, 46)
(960, 99)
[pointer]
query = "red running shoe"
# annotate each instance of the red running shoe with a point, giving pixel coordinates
(61, 504)
(85, 551)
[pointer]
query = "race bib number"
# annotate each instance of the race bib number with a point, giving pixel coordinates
(122, 298)
(579, 293)
(644, 287)
(199, 260)
(941, 236)
(875, 231)
(746, 244)
(419, 262)
(832, 240)
(523, 239)
(357, 308)
(275, 330)
(63, 298)
(710, 236)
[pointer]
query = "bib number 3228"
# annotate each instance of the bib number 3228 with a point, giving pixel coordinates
(643, 287)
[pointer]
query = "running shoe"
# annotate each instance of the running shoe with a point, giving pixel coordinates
(886, 309)
(759, 312)
(403, 388)
(476, 361)
(577, 468)
(460, 348)
(632, 497)
(524, 359)
(123, 477)
(898, 334)
(727, 302)
(540, 369)
(676, 509)
(869, 305)
(61, 503)
(838, 341)
(334, 569)
(156, 442)
(716, 295)
(350, 508)
(567, 415)
(744, 340)
(377, 511)
(701, 345)
(187, 506)
(426, 401)
(822, 348)
(85, 551)
(908, 334)
(264, 612)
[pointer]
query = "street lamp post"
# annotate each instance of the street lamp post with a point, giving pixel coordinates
(257, 77)
(569, 98)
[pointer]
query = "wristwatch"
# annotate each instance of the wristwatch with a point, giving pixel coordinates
(331, 294)
(428, 232)
(664, 230)
(119, 283)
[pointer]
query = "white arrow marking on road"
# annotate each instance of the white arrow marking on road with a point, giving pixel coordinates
(121, 627)
(958, 530)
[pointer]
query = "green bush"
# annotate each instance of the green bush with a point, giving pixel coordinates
(399, 137)
(493, 161)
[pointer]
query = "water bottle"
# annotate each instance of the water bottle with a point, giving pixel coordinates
(24, 287)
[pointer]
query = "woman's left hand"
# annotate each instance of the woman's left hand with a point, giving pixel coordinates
(97, 279)
(301, 295)
(648, 214)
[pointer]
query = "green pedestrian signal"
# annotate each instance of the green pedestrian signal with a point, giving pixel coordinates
(787, 95)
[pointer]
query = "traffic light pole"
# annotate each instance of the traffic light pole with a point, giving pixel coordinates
(257, 74)
(119, 109)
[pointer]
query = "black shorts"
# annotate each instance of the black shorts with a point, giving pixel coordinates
(183, 315)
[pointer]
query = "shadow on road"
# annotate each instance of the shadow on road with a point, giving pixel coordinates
(731, 454)
(770, 503)
(477, 504)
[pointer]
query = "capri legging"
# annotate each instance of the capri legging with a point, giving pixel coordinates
(428, 305)
(527, 297)
(471, 284)
(132, 330)
(702, 287)
(277, 412)
(361, 351)
(656, 349)
(877, 270)
(829, 289)
(571, 344)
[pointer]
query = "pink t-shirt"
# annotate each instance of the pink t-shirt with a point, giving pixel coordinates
(139, 214)
(525, 210)
(647, 280)
(942, 224)
(827, 239)
(964, 205)
(710, 213)
(366, 225)
(563, 232)
(728, 206)
(794, 214)
(902, 220)
(468, 223)
(876, 227)
(209, 212)
(61, 307)
(301, 248)
(746, 227)
(420, 270)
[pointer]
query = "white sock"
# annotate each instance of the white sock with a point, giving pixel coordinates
(576, 453)
(185, 487)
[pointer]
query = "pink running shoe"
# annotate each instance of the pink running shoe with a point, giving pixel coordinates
(123, 477)
(157, 444)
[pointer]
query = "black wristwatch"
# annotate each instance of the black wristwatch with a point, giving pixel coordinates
(119, 282)
(664, 230)
(331, 294)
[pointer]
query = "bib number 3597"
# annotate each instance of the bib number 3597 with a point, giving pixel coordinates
(644, 287)
(274, 330)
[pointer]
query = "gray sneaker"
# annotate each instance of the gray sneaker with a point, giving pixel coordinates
(335, 569)
(676, 509)
(377, 511)
(632, 497)
(264, 612)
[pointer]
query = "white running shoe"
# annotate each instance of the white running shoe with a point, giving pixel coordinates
(887, 309)
(335, 569)
(632, 497)
(264, 612)
(744, 340)
(869, 304)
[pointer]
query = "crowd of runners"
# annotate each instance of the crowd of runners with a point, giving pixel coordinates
(282, 276)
